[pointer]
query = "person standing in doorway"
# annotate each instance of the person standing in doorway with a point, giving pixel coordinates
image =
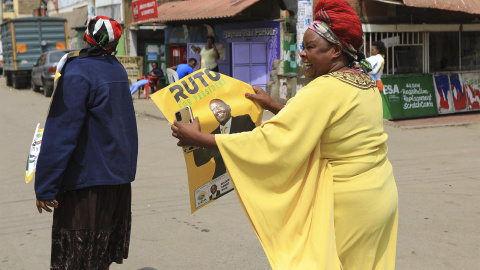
(89, 154)
(209, 56)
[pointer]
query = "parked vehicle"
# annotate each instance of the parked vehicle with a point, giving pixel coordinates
(43, 72)
(24, 40)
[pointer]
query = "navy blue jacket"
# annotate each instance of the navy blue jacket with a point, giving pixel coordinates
(90, 135)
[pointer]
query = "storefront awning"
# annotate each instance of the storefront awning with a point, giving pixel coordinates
(198, 10)
(467, 6)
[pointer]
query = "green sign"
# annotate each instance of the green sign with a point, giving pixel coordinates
(392, 100)
(289, 52)
(407, 96)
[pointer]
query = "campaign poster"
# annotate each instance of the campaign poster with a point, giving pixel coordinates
(471, 86)
(304, 18)
(33, 154)
(443, 94)
(459, 98)
(220, 104)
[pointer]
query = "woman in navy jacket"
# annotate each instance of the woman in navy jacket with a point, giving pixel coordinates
(89, 155)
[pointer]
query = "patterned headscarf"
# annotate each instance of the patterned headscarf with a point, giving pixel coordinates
(337, 22)
(102, 34)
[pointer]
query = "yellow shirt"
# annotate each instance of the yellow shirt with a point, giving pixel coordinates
(319, 190)
(208, 58)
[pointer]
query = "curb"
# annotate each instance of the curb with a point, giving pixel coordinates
(437, 125)
(392, 124)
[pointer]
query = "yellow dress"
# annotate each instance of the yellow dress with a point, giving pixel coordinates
(314, 180)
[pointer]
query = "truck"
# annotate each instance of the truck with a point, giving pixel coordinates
(24, 40)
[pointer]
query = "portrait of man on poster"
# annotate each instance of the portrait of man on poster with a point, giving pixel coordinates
(228, 124)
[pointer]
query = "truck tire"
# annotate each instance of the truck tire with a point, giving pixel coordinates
(9, 78)
(17, 83)
(35, 88)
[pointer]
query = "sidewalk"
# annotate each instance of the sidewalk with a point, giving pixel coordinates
(149, 109)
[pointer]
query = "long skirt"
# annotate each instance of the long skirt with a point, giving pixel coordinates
(91, 228)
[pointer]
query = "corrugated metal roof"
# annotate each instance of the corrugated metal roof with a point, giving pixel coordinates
(198, 10)
(468, 6)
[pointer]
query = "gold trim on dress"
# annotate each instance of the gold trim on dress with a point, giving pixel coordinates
(360, 80)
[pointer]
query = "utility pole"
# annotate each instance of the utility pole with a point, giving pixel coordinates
(1, 13)
(90, 9)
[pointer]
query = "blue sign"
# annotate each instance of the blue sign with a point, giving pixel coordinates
(152, 56)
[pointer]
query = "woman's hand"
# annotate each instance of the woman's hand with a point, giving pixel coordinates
(264, 100)
(46, 204)
(190, 134)
(186, 133)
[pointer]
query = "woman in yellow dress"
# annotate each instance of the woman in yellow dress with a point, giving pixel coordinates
(314, 180)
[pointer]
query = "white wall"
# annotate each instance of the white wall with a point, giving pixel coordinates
(110, 8)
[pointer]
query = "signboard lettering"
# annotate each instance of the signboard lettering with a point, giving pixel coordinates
(133, 65)
(144, 9)
(257, 32)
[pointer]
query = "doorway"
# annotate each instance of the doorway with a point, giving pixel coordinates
(250, 64)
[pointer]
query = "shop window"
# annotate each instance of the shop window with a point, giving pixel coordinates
(408, 59)
(404, 51)
(470, 51)
(444, 51)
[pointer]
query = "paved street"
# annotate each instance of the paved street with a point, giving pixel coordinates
(436, 168)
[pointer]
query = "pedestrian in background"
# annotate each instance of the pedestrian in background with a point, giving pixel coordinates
(185, 69)
(89, 155)
(209, 56)
(153, 76)
(377, 61)
(314, 180)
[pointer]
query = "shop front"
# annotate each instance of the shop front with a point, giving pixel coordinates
(429, 69)
(254, 46)
(247, 50)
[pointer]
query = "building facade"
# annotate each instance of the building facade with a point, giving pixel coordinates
(248, 36)
(436, 39)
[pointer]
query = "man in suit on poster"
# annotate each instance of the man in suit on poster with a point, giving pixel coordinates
(215, 192)
(228, 125)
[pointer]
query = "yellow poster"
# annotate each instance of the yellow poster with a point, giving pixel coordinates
(33, 154)
(220, 104)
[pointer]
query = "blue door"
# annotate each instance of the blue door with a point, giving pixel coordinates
(249, 63)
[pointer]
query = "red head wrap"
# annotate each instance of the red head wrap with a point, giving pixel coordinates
(342, 20)
(103, 31)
